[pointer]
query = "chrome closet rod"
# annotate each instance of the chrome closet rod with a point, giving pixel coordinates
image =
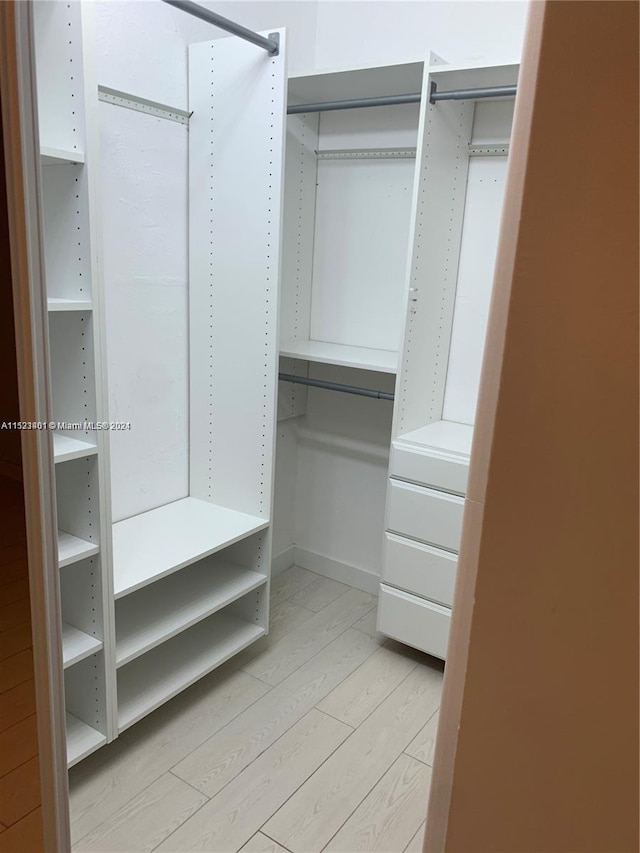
(271, 45)
(392, 100)
(335, 386)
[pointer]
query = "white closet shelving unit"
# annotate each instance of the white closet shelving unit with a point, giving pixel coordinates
(157, 600)
(69, 208)
(460, 174)
(391, 225)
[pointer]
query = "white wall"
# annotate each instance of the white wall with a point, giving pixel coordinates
(370, 32)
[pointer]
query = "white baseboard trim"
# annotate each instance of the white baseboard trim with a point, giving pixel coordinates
(337, 571)
(282, 561)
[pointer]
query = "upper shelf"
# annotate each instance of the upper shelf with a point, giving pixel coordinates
(345, 84)
(363, 358)
(154, 544)
(55, 156)
(443, 436)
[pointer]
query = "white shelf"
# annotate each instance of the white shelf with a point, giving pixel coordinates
(348, 83)
(154, 615)
(66, 448)
(444, 436)
(164, 672)
(157, 543)
(76, 645)
(56, 156)
(72, 548)
(82, 740)
(363, 358)
(55, 304)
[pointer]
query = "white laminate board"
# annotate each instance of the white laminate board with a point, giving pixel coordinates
(236, 168)
(157, 613)
(428, 515)
(414, 621)
(56, 304)
(54, 156)
(363, 215)
(447, 436)
(154, 544)
(480, 232)
(323, 352)
(349, 83)
(71, 549)
(419, 569)
(76, 645)
(82, 740)
(66, 448)
(162, 673)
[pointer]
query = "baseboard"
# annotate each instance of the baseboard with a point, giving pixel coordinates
(337, 571)
(282, 561)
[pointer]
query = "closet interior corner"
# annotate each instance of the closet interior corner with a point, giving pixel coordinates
(294, 384)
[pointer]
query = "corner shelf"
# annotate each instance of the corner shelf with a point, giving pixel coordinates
(82, 740)
(442, 436)
(362, 358)
(161, 674)
(56, 156)
(76, 645)
(157, 543)
(66, 448)
(71, 549)
(56, 304)
(151, 616)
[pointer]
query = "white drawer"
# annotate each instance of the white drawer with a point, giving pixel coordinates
(429, 467)
(424, 514)
(420, 569)
(414, 621)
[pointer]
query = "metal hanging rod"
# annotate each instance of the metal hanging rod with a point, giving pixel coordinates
(335, 386)
(354, 103)
(271, 44)
(392, 100)
(470, 94)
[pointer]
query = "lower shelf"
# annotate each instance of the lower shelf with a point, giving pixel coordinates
(76, 645)
(72, 548)
(82, 740)
(161, 674)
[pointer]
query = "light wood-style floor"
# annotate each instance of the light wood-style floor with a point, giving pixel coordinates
(319, 737)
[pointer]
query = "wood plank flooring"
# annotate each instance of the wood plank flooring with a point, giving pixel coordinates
(319, 737)
(20, 795)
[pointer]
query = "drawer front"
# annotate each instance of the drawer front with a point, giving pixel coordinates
(429, 468)
(420, 569)
(413, 621)
(424, 514)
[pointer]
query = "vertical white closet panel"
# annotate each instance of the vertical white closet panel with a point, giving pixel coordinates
(236, 159)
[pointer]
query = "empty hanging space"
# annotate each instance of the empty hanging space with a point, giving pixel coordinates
(349, 185)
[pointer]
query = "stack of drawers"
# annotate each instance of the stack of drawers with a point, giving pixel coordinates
(425, 501)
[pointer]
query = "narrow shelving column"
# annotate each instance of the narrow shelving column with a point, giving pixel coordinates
(68, 156)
